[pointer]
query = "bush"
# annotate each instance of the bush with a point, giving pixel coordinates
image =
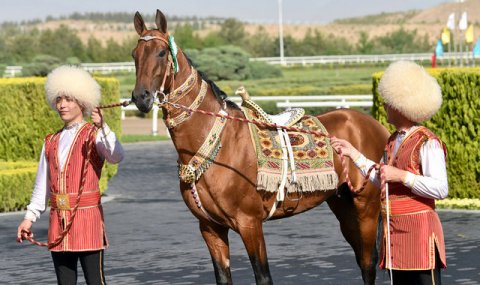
(16, 181)
(230, 63)
(457, 123)
(41, 65)
(260, 70)
(25, 120)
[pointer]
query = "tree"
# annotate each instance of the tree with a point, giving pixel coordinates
(232, 32)
(94, 50)
(185, 37)
(62, 43)
(260, 44)
(364, 46)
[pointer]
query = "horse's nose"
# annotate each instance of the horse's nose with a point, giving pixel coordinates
(134, 98)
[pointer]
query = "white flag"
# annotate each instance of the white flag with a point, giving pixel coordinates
(451, 21)
(462, 25)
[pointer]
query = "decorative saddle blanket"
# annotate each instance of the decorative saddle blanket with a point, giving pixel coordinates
(312, 168)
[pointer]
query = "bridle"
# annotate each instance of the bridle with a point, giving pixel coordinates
(169, 70)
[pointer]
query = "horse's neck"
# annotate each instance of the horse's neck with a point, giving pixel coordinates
(189, 136)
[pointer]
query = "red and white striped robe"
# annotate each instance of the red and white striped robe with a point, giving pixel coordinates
(88, 230)
(415, 228)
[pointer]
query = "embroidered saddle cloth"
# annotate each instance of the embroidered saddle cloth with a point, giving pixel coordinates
(312, 167)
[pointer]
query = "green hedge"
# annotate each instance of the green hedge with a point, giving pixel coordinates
(25, 120)
(16, 184)
(457, 123)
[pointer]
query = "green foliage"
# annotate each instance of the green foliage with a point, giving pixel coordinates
(41, 65)
(185, 37)
(230, 63)
(26, 119)
(61, 43)
(143, 138)
(401, 41)
(16, 184)
(456, 123)
(232, 31)
(260, 70)
(260, 44)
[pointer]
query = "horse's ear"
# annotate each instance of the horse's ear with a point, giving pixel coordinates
(161, 22)
(139, 23)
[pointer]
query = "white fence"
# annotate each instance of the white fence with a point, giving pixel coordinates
(337, 101)
(106, 68)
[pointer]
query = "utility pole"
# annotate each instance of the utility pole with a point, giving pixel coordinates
(280, 31)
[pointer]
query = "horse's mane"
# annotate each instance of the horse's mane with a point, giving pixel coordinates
(220, 95)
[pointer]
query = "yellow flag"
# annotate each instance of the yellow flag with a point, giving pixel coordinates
(445, 36)
(469, 34)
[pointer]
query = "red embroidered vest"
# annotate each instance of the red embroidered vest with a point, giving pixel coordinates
(415, 229)
(88, 231)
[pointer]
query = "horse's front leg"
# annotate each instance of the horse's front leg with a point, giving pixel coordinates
(253, 239)
(216, 238)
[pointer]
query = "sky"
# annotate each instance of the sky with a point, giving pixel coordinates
(263, 11)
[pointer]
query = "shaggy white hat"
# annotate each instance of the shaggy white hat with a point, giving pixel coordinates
(73, 82)
(408, 88)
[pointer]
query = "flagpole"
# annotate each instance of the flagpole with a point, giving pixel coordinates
(280, 31)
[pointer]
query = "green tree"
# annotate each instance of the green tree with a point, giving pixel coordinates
(364, 45)
(213, 39)
(402, 41)
(94, 51)
(260, 44)
(185, 37)
(62, 43)
(232, 32)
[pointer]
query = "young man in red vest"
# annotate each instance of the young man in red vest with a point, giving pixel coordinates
(74, 94)
(415, 172)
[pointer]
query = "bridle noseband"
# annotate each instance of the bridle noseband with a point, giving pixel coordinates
(169, 69)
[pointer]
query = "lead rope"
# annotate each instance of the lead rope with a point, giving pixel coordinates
(28, 235)
(275, 126)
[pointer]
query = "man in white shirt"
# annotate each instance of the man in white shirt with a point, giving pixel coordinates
(68, 173)
(416, 174)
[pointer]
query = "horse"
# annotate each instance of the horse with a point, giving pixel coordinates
(225, 196)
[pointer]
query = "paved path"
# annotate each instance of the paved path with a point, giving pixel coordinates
(155, 239)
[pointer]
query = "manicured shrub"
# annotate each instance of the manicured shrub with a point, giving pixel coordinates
(25, 120)
(457, 123)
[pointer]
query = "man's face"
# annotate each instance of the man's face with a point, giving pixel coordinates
(69, 109)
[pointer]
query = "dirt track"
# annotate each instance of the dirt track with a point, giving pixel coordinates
(139, 126)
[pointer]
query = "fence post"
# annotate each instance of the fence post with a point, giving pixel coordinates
(154, 120)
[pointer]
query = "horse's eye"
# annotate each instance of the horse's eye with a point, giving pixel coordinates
(162, 53)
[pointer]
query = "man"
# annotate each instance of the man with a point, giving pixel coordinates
(415, 172)
(74, 94)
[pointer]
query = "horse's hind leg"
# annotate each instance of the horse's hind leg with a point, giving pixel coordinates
(253, 239)
(216, 238)
(358, 219)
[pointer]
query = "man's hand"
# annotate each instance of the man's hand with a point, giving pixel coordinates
(97, 117)
(393, 174)
(344, 147)
(24, 230)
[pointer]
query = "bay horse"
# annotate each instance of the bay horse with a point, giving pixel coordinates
(227, 190)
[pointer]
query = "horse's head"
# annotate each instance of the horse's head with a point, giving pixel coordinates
(153, 62)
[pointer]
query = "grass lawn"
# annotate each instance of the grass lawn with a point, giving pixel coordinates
(313, 80)
(142, 138)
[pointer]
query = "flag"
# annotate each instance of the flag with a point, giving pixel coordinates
(451, 21)
(462, 24)
(439, 48)
(476, 49)
(469, 35)
(445, 36)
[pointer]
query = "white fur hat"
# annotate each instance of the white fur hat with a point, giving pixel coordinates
(408, 88)
(73, 82)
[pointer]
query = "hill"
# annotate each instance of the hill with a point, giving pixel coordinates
(428, 22)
